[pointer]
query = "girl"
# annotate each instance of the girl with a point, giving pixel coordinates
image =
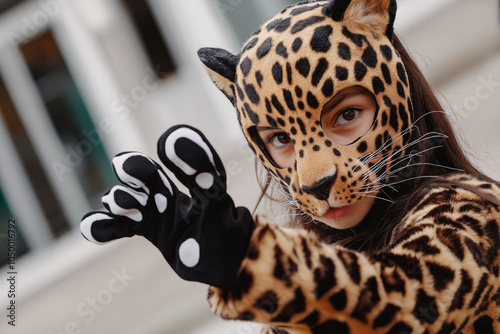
(396, 231)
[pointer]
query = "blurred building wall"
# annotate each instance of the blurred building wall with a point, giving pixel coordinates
(79, 83)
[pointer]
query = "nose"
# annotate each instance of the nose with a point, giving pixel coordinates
(321, 189)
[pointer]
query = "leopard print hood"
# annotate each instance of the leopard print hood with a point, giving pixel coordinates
(292, 67)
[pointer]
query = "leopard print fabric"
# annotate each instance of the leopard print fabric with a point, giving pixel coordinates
(439, 274)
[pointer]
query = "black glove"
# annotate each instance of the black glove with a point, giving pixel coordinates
(203, 237)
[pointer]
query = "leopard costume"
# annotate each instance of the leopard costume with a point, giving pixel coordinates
(439, 272)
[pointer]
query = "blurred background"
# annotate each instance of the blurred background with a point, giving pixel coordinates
(81, 80)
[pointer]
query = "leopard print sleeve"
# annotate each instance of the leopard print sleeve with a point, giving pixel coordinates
(440, 274)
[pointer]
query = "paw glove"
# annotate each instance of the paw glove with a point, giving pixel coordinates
(203, 237)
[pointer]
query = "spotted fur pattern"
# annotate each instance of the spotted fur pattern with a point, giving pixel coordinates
(439, 274)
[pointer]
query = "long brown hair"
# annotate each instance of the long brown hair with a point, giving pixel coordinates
(443, 155)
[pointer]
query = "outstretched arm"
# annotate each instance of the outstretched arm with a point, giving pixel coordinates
(439, 275)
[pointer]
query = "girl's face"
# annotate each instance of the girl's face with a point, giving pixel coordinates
(324, 104)
(344, 119)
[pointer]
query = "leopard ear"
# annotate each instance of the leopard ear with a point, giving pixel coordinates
(393, 8)
(377, 13)
(336, 9)
(221, 67)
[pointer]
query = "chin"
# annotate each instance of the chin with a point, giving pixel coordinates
(357, 212)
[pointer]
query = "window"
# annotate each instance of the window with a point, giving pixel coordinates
(33, 169)
(69, 116)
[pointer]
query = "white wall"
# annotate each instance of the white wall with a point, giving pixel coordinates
(458, 48)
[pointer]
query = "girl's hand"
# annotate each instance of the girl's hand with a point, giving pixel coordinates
(204, 236)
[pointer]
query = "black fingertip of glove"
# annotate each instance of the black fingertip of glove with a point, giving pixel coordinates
(161, 147)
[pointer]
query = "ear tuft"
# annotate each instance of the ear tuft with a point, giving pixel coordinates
(336, 9)
(379, 15)
(221, 67)
(393, 8)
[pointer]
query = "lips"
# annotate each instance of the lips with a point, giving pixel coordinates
(336, 212)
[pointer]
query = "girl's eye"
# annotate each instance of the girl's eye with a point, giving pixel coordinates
(279, 139)
(347, 116)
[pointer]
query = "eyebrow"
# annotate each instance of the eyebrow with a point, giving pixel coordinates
(337, 99)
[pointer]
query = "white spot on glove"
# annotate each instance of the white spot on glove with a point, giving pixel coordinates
(205, 180)
(161, 203)
(189, 253)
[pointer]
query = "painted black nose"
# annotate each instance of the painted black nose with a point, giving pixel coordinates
(321, 189)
